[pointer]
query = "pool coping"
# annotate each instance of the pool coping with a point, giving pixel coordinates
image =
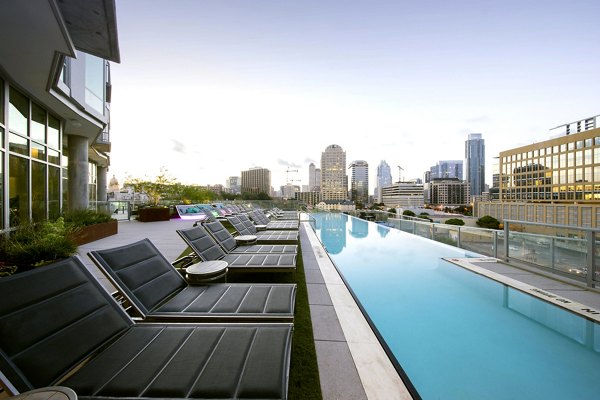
(560, 301)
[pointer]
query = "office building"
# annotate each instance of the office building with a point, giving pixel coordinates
(317, 187)
(403, 195)
(312, 179)
(445, 169)
(334, 181)
(475, 163)
(234, 184)
(448, 192)
(359, 182)
(256, 180)
(309, 198)
(556, 181)
(288, 191)
(384, 178)
(54, 107)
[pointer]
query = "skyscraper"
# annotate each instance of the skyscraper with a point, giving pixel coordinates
(311, 177)
(317, 187)
(475, 163)
(359, 183)
(334, 181)
(445, 169)
(384, 178)
(256, 180)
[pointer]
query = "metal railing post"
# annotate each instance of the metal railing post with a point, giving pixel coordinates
(506, 247)
(495, 244)
(458, 238)
(590, 258)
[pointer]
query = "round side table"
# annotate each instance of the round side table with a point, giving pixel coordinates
(207, 271)
(54, 392)
(244, 240)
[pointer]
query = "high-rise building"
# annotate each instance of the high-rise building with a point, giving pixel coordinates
(403, 195)
(448, 192)
(312, 182)
(234, 184)
(256, 180)
(55, 92)
(556, 181)
(384, 178)
(359, 182)
(475, 163)
(445, 169)
(334, 181)
(317, 187)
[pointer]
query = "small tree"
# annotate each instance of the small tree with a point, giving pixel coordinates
(409, 213)
(487, 221)
(392, 210)
(455, 221)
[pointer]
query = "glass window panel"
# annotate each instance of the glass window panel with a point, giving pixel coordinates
(18, 112)
(38, 191)
(578, 158)
(38, 151)
(18, 194)
(38, 123)
(571, 146)
(1, 188)
(53, 157)
(18, 144)
(53, 132)
(588, 142)
(579, 144)
(588, 157)
(53, 192)
(94, 82)
(1, 102)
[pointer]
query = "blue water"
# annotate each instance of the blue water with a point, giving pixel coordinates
(456, 334)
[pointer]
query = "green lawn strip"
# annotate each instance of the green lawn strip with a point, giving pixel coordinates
(304, 372)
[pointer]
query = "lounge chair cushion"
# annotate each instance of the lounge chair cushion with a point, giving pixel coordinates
(224, 238)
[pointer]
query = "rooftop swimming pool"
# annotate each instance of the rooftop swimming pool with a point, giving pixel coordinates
(457, 334)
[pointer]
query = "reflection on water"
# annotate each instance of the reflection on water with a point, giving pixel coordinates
(333, 231)
(359, 228)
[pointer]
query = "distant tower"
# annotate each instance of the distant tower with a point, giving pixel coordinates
(384, 178)
(359, 183)
(312, 182)
(334, 181)
(256, 180)
(475, 163)
(317, 187)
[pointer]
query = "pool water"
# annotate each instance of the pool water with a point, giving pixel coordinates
(457, 334)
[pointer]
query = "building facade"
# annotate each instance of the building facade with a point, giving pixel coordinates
(403, 195)
(334, 181)
(55, 97)
(312, 179)
(336, 205)
(450, 192)
(359, 182)
(475, 163)
(445, 169)
(234, 184)
(310, 198)
(256, 180)
(384, 178)
(556, 181)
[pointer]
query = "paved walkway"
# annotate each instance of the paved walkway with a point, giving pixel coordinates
(351, 364)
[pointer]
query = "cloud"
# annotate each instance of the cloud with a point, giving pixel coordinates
(288, 163)
(309, 160)
(178, 147)
(481, 119)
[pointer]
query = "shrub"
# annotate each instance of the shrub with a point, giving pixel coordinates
(392, 210)
(409, 213)
(455, 221)
(487, 221)
(78, 218)
(38, 244)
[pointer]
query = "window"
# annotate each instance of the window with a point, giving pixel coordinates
(38, 191)
(18, 190)
(94, 82)
(2, 106)
(18, 112)
(53, 132)
(38, 123)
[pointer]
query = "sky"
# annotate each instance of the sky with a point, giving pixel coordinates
(206, 89)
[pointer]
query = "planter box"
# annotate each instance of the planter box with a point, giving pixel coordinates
(90, 233)
(150, 214)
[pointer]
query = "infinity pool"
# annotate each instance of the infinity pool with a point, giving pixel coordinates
(457, 334)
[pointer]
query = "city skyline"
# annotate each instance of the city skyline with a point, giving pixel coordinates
(210, 89)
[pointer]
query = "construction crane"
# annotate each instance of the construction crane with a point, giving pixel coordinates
(400, 169)
(287, 174)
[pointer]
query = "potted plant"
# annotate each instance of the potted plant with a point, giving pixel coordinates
(34, 245)
(155, 190)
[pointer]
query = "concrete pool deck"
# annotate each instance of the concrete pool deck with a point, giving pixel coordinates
(352, 363)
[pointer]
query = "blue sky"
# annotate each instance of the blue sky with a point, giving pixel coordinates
(210, 88)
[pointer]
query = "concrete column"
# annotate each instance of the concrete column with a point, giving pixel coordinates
(78, 194)
(101, 183)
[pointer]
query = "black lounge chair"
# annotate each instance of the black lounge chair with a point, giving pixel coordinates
(58, 326)
(228, 243)
(207, 249)
(244, 226)
(260, 219)
(158, 292)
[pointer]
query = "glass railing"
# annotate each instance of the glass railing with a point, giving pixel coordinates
(562, 250)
